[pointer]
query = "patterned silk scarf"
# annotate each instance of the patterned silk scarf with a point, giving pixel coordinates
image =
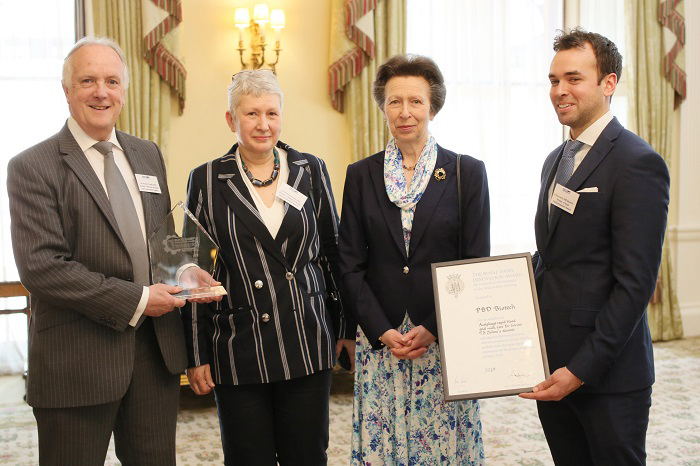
(406, 197)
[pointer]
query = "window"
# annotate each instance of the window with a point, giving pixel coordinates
(33, 108)
(607, 17)
(495, 57)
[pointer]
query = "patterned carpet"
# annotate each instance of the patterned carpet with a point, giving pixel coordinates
(513, 436)
(512, 433)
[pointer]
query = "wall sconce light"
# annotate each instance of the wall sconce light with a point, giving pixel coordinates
(258, 41)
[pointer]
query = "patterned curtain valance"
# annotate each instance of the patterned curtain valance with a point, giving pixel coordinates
(352, 44)
(672, 19)
(165, 18)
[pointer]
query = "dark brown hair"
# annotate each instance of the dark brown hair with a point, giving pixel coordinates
(607, 56)
(411, 65)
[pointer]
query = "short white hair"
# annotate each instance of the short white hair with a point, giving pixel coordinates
(94, 40)
(252, 82)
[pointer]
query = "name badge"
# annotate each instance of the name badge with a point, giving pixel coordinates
(148, 183)
(564, 198)
(291, 196)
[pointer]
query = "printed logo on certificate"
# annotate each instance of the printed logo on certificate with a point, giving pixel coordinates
(489, 327)
(454, 285)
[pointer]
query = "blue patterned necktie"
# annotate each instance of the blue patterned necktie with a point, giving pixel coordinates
(566, 164)
(565, 169)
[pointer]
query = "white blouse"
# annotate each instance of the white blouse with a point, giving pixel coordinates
(272, 216)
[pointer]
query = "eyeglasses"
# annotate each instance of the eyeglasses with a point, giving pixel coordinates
(263, 70)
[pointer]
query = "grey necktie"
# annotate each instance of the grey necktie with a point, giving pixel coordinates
(566, 164)
(566, 168)
(125, 213)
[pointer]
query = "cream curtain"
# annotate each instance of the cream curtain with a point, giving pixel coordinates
(495, 57)
(651, 115)
(148, 99)
(370, 133)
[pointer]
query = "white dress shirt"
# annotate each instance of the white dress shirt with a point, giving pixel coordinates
(589, 136)
(97, 162)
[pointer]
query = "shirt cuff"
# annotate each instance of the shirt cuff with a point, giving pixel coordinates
(141, 307)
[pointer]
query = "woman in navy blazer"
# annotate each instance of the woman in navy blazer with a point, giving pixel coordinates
(268, 348)
(400, 214)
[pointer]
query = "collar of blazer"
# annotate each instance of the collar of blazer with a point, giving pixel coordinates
(601, 148)
(425, 207)
(77, 161)
(235, 193)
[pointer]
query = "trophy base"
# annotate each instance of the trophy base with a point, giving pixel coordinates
(203, 292)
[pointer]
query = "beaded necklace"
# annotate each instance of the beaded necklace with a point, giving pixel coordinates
(273, 177)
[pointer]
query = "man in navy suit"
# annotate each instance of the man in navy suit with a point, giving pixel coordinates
(599, 227)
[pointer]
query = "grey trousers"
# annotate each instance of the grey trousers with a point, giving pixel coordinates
(143, 421)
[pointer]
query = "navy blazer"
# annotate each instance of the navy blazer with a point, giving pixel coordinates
(275, 323)
(380, 282)
(596, 269)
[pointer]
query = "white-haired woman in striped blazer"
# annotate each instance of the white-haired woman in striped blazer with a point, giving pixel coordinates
(268, 348)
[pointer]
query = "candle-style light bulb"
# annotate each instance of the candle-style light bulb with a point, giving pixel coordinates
(277, 22)
(261, 16)
(242, 21)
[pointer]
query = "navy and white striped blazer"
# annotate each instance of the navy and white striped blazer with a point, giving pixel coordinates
(274, 324)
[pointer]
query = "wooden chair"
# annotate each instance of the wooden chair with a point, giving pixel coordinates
(15, 290)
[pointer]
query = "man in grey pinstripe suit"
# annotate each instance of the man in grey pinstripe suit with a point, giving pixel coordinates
(105, 352)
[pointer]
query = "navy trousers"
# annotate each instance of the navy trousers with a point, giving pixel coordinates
(597, 429)
(285, 422)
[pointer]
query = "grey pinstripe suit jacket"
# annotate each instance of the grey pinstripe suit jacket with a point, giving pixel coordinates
(274, 324)
(73, 262)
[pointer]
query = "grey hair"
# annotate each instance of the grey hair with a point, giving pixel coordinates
(94, 40)
(252, 82)
(409, 64)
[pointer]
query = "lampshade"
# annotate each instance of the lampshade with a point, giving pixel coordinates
(261, 13)
(277, 19)
(242, 18)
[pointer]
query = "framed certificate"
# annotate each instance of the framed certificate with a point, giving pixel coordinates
(489, 327)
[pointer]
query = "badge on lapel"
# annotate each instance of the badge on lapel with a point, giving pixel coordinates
(440, 174)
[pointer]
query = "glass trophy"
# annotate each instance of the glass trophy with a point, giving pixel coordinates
(179, 258)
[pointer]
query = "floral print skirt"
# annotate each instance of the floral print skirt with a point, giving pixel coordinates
(400, 416)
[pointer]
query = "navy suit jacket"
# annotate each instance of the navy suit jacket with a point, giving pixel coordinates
(380, 282)
(596, 269)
